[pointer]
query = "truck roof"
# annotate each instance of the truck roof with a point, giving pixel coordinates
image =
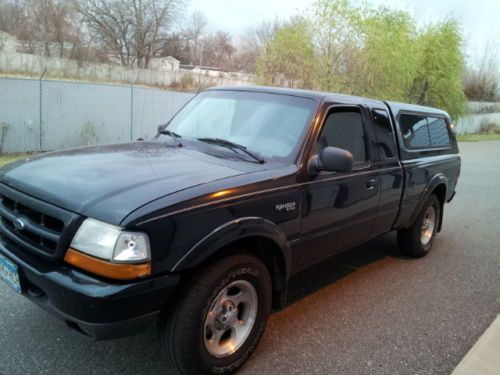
(395, 107)
(318, 95)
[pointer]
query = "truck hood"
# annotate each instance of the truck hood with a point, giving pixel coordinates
(109, 182)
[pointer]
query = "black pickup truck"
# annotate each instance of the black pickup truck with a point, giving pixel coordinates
(201, 228)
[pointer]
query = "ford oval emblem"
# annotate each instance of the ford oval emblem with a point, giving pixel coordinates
(19, 224)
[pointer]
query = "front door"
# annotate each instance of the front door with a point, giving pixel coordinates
(340, 208)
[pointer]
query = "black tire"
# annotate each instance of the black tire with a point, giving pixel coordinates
(183, 329)
(410, 239)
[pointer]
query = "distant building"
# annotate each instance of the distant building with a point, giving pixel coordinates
(8, 43)
(164, 63)
(205, 70)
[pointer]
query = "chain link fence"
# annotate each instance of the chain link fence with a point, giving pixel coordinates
(46, 115)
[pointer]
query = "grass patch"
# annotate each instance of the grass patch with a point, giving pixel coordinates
(9, 158)
(478, 137)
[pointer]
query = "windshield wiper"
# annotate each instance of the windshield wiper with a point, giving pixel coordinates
(233, 146)
(173, 135)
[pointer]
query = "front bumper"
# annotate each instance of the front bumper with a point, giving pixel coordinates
(97, 308)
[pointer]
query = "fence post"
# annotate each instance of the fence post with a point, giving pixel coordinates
(41, 102)
(132, 109)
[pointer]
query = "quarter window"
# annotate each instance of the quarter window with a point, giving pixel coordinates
(438, 131)
(424, 132)
(415, 131)
(345, 130)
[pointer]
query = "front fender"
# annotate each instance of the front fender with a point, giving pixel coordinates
(232, 231)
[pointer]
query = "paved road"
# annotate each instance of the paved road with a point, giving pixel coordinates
(368, 311)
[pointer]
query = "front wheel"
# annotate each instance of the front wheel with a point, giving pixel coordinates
(218, 322)
(417, 240)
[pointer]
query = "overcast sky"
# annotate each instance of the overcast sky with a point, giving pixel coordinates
(480, 18)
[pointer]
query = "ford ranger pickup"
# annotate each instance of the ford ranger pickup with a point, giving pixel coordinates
(201, 228)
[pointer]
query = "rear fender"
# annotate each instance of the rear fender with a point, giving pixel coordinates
(436, 181)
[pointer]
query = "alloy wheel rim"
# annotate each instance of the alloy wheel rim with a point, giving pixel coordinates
(230, 319)
(428, 226)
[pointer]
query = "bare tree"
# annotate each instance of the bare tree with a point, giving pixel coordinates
(253, 43)
(258, 36)
(132, 30)
(52, 22)
(176, 45)
(14, 19)
(12, 15)
(218, 49)
(39, 24)
(482, 77)
(62, 23)
(111, 27)
(193, 32)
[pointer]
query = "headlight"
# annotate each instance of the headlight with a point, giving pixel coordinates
(109, 251)
(111, 243)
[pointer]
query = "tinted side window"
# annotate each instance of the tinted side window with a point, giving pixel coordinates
(415, 131)
(345, 130)
(385, 138)
(438, 131)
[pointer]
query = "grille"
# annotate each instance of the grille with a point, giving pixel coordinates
(33, 225)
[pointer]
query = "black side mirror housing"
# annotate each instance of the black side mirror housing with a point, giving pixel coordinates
(332, 159)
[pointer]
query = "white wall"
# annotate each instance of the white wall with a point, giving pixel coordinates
(481, 113)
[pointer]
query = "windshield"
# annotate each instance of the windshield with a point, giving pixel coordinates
(268, 124)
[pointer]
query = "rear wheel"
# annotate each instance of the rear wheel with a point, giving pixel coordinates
(417, 240)
(218, 322)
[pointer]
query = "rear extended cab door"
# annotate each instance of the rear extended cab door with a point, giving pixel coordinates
(429, 159)
(388, 167)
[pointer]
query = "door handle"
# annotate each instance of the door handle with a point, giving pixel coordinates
(371, 183)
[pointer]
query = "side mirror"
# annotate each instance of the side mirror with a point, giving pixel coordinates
(331, 159)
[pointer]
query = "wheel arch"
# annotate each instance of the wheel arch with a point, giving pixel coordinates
(438, 186)
(255, 235)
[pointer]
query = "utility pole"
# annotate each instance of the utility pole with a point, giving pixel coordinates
(201, 64)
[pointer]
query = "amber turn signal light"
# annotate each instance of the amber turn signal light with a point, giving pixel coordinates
(118, 271)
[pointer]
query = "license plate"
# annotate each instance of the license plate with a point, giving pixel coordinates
(9, 273)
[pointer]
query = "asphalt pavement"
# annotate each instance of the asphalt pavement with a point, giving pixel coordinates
(367, 311)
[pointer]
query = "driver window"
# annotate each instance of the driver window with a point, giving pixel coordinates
(344, 129)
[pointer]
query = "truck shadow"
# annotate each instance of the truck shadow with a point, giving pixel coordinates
(86, 356)
(336, 267)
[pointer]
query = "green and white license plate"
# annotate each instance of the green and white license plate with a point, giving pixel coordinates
(9, 273)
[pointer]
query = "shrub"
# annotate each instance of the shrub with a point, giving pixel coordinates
(4, 129)
(489, 127)
(186, 82)
(89, 134)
